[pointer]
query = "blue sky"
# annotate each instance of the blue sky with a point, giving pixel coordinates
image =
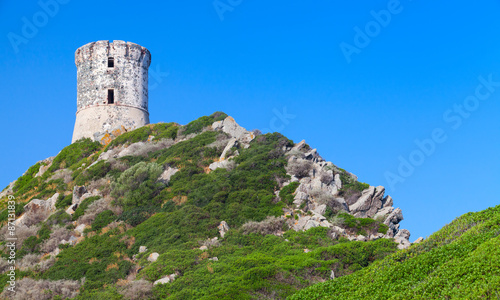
(415, 71)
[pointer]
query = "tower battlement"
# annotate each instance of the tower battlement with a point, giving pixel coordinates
(112, 88)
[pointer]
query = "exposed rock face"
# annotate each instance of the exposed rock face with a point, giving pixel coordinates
(318, 190)
(37, 210)
(239, 137)
(369, 203)
(223, 228)
(46, 163)
(166, 279)
(153, 257)
(167, 174)
(78, 192)
(9, 190)
(229, 126)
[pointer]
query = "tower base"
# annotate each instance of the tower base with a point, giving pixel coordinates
(96, 121)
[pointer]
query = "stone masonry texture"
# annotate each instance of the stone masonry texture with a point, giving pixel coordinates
(117, 67)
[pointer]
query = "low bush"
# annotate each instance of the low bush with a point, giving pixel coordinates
(299, 168)
(64, 201)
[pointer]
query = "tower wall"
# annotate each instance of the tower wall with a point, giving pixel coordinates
(112, 93)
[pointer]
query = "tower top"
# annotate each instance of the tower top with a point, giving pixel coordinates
(103, 49)
(112, 95)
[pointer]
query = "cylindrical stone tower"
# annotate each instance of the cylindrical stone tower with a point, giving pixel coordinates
(112, 88)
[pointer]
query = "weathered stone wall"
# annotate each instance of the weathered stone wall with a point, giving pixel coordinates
(128, 78)
(94, 122)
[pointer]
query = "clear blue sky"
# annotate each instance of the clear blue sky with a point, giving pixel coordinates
(264, 57)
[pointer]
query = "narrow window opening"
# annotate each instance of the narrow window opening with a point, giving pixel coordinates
(111, 62)
(111, 96)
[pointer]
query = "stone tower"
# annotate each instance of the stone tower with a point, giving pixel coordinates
(112, 88)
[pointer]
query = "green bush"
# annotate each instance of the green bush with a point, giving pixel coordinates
(64, 201)
(460, 261)
(103, 219)
(138, 186)
(73, 154)
(286, 193)
(95, 172)
(197, 125)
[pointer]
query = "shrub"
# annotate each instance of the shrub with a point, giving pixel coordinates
(139, 289)
(271, 225)
(299, 168)
(138, 185)
(94, 172)
(103, 219)
(60, 217)
(74, 153)
(326, 177)
(83, 206)
(27, 181)
(64, 201)
(286, 193)
(55, 239)
(95, 208)
(30, 289)
(197, 125)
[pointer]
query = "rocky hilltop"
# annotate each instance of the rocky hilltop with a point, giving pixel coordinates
(175, 202)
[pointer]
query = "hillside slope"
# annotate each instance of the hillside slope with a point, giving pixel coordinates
(460, 261)
(207, 210)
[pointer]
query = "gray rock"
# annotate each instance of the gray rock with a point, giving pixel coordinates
(143, 249)
(403, 234)
(388, 202)
(339, 230)
(153, 257)
(232, 128)
(224, 164)
(167, 174)
(203, 248)
(361, 238)
(419, 240)
(232, 143)
(320, 209)
(394, 217)
(214, 259)
(166, 279)
(337, 182)
(332, 275)
(223, 228)
(403, 244)
(383, 213)
(369, 202)
(299, 146)
(71, 210)
(80, 228)
(78, 192)
(9, 190)
(311, 224)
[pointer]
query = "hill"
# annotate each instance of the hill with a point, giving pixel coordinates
(460, 261)
(206, 210)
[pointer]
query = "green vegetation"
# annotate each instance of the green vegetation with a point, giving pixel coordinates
(83, 206)
(159, 131)
(286, 193)
(64, 201)
(94, 172)
(197, 125)
(259, 257)
(98, 258)
(70, 156)
(460, 261)
(103, 219)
